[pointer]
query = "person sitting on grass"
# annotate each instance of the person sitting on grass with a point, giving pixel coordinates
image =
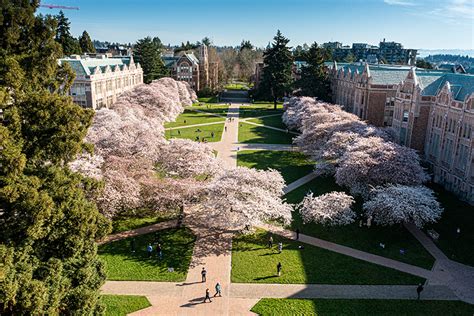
(149, 250)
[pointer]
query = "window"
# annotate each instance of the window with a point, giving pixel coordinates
(403, 135)
(434, 144)
(405, 116)
(462, 157)
(448, 151)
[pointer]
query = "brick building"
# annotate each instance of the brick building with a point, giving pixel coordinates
(101, 79)
(197, 71)
(430, 111)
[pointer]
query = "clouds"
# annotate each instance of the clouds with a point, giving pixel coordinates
(403, 3)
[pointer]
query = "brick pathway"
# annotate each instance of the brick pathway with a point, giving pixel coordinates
(139, 231)
(301, 181)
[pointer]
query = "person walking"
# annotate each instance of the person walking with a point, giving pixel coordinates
(297, 234)
(218, 290)
(280, 247)
(149, 250)
(279, 268)
(270, 242)
(419, 289)
(225, 128)
(159, 251)
(208, 297)
(212, 134)
(203, 275)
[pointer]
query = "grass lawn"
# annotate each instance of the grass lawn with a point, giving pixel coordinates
(121, 305)
(205, 131)
(122, 264)
(189, 117)
(129, 222)
(213, 99)
(259, 109)
(253, 262)
(274, 121)
(362, 238)
(236, 86)
(321, 307)
(219, 109)
(456, 214)
(291, 164)
(258, 134)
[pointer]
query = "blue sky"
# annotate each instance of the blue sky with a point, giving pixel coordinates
(429, 24)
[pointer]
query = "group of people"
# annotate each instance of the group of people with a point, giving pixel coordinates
(217, 287)
(158, 248)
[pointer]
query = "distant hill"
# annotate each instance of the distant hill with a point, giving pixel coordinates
(463, 52)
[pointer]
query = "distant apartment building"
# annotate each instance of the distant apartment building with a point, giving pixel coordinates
(386, 52)
(101, 79)
(430, 111)
(197, 71)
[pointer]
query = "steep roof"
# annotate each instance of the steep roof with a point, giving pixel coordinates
(462, 85)
(85, 67)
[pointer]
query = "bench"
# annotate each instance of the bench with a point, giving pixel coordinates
(433, 234)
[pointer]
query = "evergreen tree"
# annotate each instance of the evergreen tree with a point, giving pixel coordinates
(421, 63)
(48, 255)
(314, 81)
(276, 78)
(147, 52)
(207, 41)
(86, 43)
(246, 45)
(69, 44)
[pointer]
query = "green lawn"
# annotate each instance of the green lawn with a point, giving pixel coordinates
(362, 238)
(236, 86)
(322, 307)
(292, 165)
(191, 133)
(274, 121)
(259, 109)
(121, 305)
(213, 99)
(219, 109)
(253, 262)
(189, 117)
(122, 264)
(258, 134)
(456, 214)
(133, 221)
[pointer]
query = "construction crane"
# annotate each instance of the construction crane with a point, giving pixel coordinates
(54, 6)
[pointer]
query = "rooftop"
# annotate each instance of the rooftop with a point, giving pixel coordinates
(84, 66)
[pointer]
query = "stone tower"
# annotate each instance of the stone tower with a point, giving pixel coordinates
(203, 67)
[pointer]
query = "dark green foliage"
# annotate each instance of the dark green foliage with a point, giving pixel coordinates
(246, 45)
(48, 255)
(314, 80)
(276, 78)
(86, 43)
(148, 54)
(69, 44)
(421, 63)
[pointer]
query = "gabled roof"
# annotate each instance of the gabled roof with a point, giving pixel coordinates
(87, 66)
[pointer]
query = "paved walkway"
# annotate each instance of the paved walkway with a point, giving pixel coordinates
(139, 231)
(271, 127)
(275, 147)
(227, 147)
(301, 181)
(194, 125)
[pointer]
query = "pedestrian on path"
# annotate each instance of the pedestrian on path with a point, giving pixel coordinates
(132, 245)
(279, 268)
(297, 234)
(270, 242)
(203, 275)
(225, 128)
(208, 297)
(280, 247)
(159, 251)
(149, 249)
(218, 290)
(419, 289)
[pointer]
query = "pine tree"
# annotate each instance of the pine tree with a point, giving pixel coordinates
(276, 78)
(86, 43)
(69, 44)
(314, 81)
(48, 255)
(147, 52)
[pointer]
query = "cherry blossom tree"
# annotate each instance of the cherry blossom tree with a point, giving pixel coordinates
(331, 209)
(372, 161)
(185, 158)
(401, 204)
(241, 196)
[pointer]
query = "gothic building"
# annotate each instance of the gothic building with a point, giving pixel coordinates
(199, 72)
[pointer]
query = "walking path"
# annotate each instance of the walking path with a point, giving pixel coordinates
(194, 125)
(274, 147)
(301, 181)
(358, 254)
(139, 231)
(271, 127)
(447, 280)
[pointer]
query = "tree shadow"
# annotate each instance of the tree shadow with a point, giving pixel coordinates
(266, 277)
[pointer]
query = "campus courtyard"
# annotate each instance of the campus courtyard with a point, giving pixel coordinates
(325, 271)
